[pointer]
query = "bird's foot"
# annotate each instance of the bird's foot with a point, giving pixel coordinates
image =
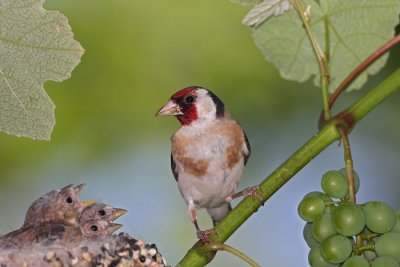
(204, 236)
(252, 191)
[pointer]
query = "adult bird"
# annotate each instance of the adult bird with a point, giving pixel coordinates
(208, 153)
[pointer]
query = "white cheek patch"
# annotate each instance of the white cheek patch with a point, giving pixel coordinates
(207, 107)
(206, 110)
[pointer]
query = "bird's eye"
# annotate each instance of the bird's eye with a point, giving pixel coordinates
(93, 228)
(189, 99)
(69, 200)
(102, 212)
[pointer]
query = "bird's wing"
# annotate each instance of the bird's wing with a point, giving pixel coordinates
(248, 152)
(173, 168)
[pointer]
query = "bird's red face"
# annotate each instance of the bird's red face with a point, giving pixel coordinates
(193, 104)
(182, 105)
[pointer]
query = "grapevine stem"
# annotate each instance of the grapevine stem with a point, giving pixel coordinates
(361, 249)
(330, 203)
(349, 171)
(322, 58)
(365, 64)
(357, 71)
(369, 236)
(348, 163)
(217, 246)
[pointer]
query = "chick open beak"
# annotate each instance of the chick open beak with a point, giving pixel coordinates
(118, 213)
(169, 109)
(113, 227)
(88, 203)
(78, 188)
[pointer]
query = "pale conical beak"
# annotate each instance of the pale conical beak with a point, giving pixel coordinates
(78, 188)
(88, 203)
(118, 213)
(169, 109)
(112, 227)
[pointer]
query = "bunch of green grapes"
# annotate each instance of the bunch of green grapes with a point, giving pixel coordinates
(342, 233)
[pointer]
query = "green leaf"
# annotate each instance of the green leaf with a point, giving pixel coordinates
(264, 10)
(36, 45)
(355, 29)
(247, 2)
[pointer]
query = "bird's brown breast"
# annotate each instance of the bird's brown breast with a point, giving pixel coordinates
(228, 130)
(196, 168)
(234, 152)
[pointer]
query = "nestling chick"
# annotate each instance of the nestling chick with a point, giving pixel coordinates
(61, 205)
(99, 228)
(208, 153)
(46, 234)
(58, 233)
(101, 211)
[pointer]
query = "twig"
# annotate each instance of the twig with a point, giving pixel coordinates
(364, 248)
(348, 160)
(321, 57)
(216, 247)
(357, 71)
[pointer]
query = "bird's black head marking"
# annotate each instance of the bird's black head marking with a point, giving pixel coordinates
(218, 104)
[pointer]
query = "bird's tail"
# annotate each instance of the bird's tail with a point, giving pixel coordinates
(217, 214)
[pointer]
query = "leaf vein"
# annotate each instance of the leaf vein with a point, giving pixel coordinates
(19, 43)
(13, 93)
(341, 40)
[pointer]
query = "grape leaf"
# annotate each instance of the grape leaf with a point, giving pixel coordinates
(36, 45)
(355, 29)
(264, 10)
(247, 2)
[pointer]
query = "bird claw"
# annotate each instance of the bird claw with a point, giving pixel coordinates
(204, 236)
(229, 199)
(252, 191)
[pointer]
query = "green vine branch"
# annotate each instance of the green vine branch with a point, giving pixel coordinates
(326, 136)
(357, 71)
(213, 247)
(348, 160)
(322, 57)
(364, 248)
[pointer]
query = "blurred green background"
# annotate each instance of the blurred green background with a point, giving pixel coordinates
(137, 54)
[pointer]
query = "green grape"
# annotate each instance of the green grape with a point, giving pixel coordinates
(356, 261)
(348, 219)
(385, 261)
(336, 248)
(334, 184)
(319, 194)
(388, 245)
(379, 217)
(316, 260)
(322, 196)
(323, 228)
(310, 208)
(396, 227)
(308, 236)
(356, 179)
